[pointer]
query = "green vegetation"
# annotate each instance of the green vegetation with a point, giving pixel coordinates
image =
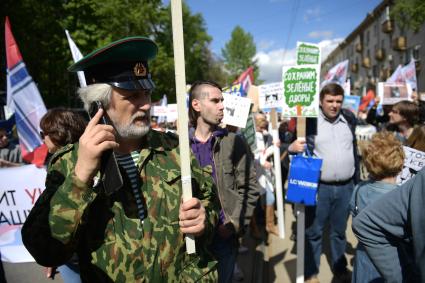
(39, 29)
(238, 54)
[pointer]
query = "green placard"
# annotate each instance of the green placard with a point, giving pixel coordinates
(300, 91)
(300, 86)
(249, 132)
(308, 54)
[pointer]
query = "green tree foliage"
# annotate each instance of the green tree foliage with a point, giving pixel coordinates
(38, 27)
(238, 54)
(409, 14)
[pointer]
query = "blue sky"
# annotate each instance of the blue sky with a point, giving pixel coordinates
(277, 25)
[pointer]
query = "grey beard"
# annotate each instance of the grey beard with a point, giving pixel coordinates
(132, 131)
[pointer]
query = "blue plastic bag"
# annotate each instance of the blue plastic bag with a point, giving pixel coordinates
(303, 179)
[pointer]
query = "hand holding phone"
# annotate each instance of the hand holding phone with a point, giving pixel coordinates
(109, 171)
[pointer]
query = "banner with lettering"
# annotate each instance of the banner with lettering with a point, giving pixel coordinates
(19, 189)
(301, 91)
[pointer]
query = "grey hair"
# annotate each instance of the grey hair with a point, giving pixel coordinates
(95, 92)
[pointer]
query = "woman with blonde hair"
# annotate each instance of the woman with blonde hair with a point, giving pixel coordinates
(383, 158)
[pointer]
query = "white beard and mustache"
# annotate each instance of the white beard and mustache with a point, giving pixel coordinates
(132, 131)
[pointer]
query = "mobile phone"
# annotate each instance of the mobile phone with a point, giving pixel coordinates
(94, 108)
(110, 174)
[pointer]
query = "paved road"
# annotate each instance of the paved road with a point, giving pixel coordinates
(275, 262)
(27, 273)
(277, 259)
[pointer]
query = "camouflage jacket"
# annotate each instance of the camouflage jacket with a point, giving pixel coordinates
(112, 244)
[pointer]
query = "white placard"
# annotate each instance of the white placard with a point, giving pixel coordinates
(414, 161)
(236, 110)
(159, 110)
(391, 93)
(171, 112)
(270, 95)
(20, 187)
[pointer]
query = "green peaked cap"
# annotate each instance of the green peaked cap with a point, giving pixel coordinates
(129, 49)
(122, 63)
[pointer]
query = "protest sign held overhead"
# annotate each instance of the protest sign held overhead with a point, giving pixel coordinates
(301, 89)
(270, 96)
(308, 53)
(391, 93)
(236, 110)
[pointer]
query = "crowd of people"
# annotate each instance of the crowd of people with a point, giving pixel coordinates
(136, 233)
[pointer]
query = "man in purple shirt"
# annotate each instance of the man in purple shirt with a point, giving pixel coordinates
(232, 167)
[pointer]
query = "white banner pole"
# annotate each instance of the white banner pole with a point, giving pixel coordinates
(183, 120)
(300, 211)
(278, 174)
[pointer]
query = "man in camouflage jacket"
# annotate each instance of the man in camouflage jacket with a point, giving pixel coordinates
(131, 235)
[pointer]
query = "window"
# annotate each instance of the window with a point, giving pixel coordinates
(375, 71)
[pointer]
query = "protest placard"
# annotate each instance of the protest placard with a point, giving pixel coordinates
(171, 112)
(270, 96)
(235, 89)
(249, 132)
(413, 162)
(391, 93)
(159, 110)
(352, 103)
(17, 197)
(308, 53)
(301, 91)
(236, 110)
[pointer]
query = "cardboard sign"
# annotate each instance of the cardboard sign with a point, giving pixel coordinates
(414, 161)
(301, 91)
(236, 110)
(308, 53)
(20, 188)
(270, 96)
(391, 93)
(352, 103)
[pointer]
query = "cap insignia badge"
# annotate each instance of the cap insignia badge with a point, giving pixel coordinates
(139, 70)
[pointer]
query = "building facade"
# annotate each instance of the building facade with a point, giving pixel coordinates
(375, 49)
